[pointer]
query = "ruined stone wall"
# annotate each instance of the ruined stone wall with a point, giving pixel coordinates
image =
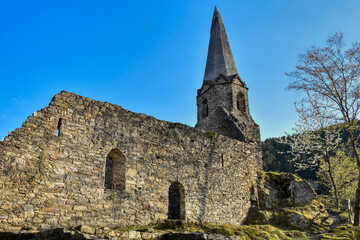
(52, 181)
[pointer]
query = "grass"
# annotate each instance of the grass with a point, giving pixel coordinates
(344, 217)
(211, 134)
(347, 232)
(246, 232)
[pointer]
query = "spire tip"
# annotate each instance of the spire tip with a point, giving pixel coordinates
(220, 59)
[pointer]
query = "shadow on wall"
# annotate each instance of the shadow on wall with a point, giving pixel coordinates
(254, 210)
(204, 187)
(176, 208)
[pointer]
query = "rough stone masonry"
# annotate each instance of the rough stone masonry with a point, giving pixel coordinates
(83, 162)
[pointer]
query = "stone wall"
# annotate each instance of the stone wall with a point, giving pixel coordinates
(53, 169)
(223, 107)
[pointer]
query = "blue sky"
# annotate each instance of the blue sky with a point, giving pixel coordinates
(149, 56)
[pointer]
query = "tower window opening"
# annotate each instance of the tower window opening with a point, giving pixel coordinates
(205, 109)
(58, 131)
(240, 102)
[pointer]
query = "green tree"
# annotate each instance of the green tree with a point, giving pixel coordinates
(344, 172)
(275, 157)
(332, 73)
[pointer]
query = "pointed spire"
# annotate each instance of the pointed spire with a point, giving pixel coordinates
(220, 59)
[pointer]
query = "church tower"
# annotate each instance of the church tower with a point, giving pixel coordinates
(222, 101)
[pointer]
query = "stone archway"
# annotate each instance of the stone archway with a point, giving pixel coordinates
(176, 201)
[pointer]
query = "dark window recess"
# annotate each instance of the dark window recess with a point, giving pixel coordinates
(176, 201)
(240, 102)
(205, 108)
(58, 131)
(115, 170)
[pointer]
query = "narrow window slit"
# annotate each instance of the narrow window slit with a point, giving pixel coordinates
(58, 131)
(205, 110)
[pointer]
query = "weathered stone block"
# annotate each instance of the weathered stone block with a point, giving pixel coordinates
(79, 208)
(86, 229)
(134, 235)
(36, 220)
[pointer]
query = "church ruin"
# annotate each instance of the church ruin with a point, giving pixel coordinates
(80, 161)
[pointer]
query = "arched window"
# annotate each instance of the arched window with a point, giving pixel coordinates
(176, 201)
(205, 108)
(240, 102)
(58, 131)
(115, 170)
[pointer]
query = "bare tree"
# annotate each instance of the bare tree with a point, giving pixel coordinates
(333, 73)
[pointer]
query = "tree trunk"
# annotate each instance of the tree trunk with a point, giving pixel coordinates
(334, 186)
(357, 197)
(357, 202)
(327, 159)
